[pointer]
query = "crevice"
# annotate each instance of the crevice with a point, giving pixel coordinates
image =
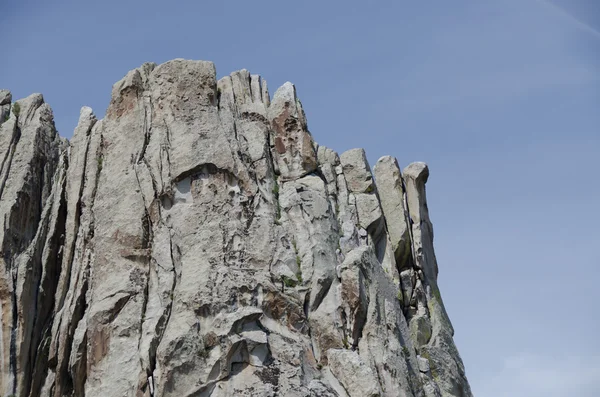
(360, 321)
(171, 301)
(412, 256)
(250, 87)
(210, 167)
(163, 322)
(144, 307)
(147, 239)
(113, 312)
(305, 306)
(63, 379)
(31, 113)
(319, 173)
(147, 126)
(235, 131)
(321, 295)
(27, 245)
(253, 117)
(13, 333)
(77, 217)
(9, 156)
(168, 134)
(147, 226)
(47, 282)
(408, 221)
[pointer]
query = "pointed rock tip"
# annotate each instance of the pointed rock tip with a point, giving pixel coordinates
(131, 79)
(31, 102)
(417, 170)
(386, 164)
(285, 101)
(386, 160)
(287, 92)
(148, 65)
(86, 113)
(354, 156)
(5, 97)
(33, 98)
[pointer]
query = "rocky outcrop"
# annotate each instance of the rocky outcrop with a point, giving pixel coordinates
(198, 242)
(32, 210)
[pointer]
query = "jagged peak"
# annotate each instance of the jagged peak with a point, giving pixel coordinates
(199, 241)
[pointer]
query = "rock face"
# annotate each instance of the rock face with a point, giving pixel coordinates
(198, 242)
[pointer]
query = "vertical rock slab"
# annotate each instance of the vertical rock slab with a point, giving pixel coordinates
(391, 194)
(363, 194)
(430, 325)
(31, 201)
(5, 100)
(118, 274)
(293, 151)
(68, 354)
(39, 268)
(415, 177)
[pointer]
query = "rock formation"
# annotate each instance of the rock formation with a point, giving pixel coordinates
(198, 242)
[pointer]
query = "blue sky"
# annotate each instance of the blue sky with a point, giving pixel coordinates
(500, 98)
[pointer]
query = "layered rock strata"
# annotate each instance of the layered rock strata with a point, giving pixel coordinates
(198, 242)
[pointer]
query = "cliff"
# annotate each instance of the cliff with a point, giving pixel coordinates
(198, 242)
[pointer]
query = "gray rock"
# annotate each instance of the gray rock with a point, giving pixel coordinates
(391, 194)
(5, 97)
(293, 150)
(357, 171)
(429, 323)
(356, 376)
(31, 204)
(423, 364)
(197, 241)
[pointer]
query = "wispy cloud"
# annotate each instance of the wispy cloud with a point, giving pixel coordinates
(543, 376)
(570, 17)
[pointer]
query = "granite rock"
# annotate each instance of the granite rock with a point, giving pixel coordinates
(196, 241)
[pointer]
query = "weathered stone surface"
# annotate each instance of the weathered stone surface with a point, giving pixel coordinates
(429, 322)
(415, 177)
(423, 364)
(32, 207)
(294, 154)
(357, 171)
(198, 242)
(391, 193)
(5, 99)
(356, 377)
